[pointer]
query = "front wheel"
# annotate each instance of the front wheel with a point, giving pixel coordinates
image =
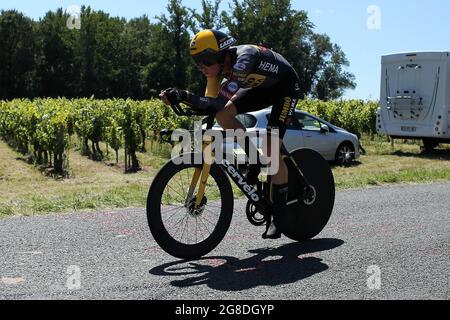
(179, 228)
(305, 219)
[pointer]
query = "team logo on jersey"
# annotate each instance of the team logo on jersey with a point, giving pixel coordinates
(239, 67)
(269, 67)
(254, 80)
(233, 87)
(288, 108)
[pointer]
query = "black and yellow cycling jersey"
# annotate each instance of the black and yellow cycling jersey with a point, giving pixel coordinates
(259, 78)
(258, 67)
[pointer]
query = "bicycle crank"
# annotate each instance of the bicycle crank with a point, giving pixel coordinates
(254, 216)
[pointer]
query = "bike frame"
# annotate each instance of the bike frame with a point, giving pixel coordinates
(255, 196)
(201, 174)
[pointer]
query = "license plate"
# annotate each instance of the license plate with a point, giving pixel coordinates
(409, 129)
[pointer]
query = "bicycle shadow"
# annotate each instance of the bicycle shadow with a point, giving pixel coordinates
(267, 267)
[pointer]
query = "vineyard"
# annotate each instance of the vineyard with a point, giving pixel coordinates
(44, 129)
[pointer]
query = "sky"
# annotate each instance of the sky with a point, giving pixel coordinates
(365, 30)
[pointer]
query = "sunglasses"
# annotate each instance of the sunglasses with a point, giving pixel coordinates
(206, 60)
(205, 63)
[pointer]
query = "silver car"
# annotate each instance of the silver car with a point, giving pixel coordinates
(307, 131)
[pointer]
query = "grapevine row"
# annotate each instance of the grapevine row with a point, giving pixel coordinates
(43, 128)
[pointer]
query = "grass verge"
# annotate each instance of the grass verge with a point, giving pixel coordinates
(103, 185)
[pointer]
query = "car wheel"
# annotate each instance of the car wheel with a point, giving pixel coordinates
(345, 154)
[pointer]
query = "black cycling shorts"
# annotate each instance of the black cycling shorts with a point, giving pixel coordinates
(283, 98)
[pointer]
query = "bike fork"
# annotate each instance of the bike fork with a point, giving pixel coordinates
(201, 174)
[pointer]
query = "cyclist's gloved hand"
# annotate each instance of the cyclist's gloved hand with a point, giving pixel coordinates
(175, 96)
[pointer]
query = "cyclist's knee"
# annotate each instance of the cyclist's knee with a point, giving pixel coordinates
(226, 115)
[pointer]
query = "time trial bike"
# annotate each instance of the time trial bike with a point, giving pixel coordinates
(190, 205)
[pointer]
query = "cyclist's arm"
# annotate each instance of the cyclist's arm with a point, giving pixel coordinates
(205, 103)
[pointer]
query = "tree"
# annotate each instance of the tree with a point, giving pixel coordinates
(136, 38)
(111, 57)
(276, 25)
(155, 74)
(18, 54)
(271, 22)
(58, 68)
(86, 52)
(175, 29)
(102, 52)
(333, 80)
(210, 18)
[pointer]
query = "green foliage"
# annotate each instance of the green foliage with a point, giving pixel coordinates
(42, 127)
(39, 127)
(110, 57)
(319, 63)
(18, 44)
(210, 17)
(58, 66)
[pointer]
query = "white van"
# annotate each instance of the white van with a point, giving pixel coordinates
(415, 97)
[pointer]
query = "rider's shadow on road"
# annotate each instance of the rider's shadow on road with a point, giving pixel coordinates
(267, 267)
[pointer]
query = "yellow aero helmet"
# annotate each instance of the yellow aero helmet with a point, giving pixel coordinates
(208, 47)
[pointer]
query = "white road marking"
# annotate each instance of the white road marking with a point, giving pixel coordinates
(33, 253)
(12, 281)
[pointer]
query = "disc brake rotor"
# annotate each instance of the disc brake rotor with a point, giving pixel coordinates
(196, 211)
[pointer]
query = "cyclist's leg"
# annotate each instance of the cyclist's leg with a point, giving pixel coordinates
(287, 93)
(249, 100)
(226, 118)
(245, 100)
(282, 112)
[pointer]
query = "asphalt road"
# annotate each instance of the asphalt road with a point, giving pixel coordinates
(381, 243)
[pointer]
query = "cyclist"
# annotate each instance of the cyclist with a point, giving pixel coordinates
(256, 78)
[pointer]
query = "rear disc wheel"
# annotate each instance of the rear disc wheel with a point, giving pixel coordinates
(304, 219)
